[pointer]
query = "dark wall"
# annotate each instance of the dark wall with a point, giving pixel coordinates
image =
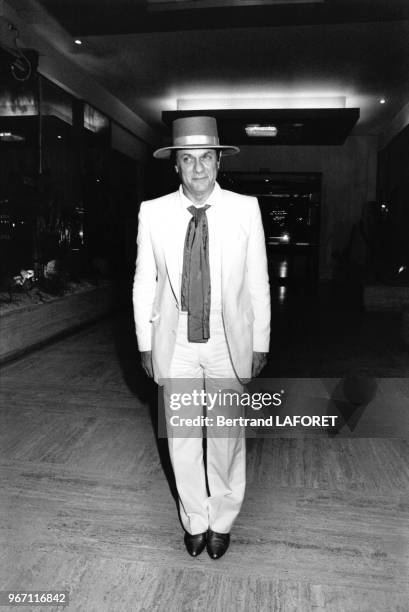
(393, 192)
(393, 164)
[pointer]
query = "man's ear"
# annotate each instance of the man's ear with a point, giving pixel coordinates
(176, 169)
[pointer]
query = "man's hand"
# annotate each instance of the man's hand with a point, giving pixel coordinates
(259, 361)
(146, 361)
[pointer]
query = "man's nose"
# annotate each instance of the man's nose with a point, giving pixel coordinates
(198, 166)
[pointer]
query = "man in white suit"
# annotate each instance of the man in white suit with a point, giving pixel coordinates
(202, 316)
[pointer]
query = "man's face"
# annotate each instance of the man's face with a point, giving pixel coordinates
(198, 171)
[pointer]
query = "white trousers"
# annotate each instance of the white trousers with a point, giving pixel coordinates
(208, 366)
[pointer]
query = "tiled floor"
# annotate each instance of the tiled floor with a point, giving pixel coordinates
(86, 505)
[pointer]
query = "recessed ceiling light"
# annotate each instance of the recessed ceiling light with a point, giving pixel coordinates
(261, 131)
(59, 137)
(78, 41)
(382, 101)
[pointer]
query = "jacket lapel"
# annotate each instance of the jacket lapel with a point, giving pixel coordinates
(232, 234)
(174, 230)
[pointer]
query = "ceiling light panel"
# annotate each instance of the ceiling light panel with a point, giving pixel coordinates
(237, 103)
(256, 130)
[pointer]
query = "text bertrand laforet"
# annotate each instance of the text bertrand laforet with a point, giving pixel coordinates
(270, 421)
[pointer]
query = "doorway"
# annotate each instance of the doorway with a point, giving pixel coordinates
(290, 206)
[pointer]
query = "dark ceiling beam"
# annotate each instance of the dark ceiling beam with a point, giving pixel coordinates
(296, 126)
(128, 17)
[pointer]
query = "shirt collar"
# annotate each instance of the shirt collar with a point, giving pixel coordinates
(213, 197)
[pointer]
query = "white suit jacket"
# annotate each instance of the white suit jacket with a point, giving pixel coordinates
(244, 277)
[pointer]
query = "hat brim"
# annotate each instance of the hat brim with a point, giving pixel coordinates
(164, 152)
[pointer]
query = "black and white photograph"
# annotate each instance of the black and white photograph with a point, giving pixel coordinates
(204, 305)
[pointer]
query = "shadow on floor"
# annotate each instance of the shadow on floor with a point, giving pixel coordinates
(144, 389)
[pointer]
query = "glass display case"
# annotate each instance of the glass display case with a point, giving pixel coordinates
(66, 194)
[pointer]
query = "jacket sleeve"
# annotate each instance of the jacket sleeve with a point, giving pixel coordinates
(144, 284)
(258, 281)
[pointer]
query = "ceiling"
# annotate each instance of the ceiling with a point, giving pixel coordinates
(231, 53)
(105, 17)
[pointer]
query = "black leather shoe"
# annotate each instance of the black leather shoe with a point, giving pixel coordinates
(195, 544)
(217, 544)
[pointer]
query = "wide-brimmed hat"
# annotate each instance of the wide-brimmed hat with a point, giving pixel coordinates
(194, 133)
